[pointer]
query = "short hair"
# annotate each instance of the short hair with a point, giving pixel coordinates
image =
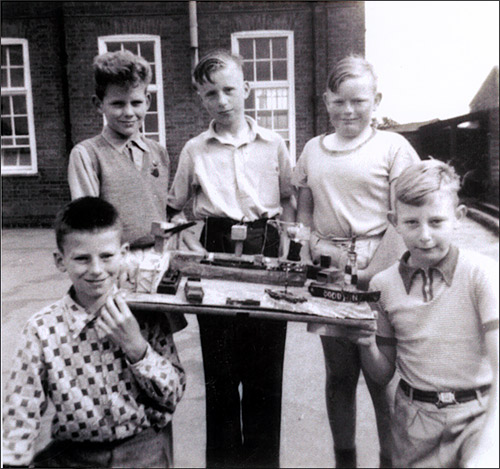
(421, 179)
(352, 66)
(122, 68)
(85, 214)
(213, 61)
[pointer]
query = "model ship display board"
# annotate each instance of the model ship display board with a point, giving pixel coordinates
(245, 299)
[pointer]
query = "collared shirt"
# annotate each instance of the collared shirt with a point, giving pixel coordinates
(429, 282)
(98, 395)
(437, 319)
(244, 182)
(83, 179)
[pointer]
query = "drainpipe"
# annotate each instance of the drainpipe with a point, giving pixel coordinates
(193, 34)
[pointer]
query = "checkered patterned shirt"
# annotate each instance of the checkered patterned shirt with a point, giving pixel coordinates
(98, 395)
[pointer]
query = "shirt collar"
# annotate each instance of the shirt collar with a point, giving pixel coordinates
(119, 143)
(446, 267)
(78, 316)
(255, 131)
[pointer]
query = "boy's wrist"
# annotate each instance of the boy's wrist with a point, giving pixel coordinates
(137, 354)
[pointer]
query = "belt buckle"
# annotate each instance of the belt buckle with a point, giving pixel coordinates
(446, 398)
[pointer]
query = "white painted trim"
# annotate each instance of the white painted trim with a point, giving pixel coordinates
(158, 87)
(290, 83)
(27, 91)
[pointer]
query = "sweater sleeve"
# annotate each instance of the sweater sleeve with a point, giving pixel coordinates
(83, 176)
(25, 401)
(160, 373)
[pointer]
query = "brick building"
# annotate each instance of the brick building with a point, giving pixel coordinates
(47, 51)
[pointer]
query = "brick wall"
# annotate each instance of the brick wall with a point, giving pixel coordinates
(323, 33)
(493, 196)
(33, 200)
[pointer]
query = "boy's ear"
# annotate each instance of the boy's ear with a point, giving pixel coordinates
(393, 219)
(461, 212)
(148, 100)
(378, 98)
(246, 88)
(59, 261)
(97, 103)
(125, 248)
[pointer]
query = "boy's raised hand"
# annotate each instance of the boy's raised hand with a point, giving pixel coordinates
(119, 324)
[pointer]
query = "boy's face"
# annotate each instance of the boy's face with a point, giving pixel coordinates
(224, 99)
(428, 230)
(351, 107)
(124, 107)
(92, 260)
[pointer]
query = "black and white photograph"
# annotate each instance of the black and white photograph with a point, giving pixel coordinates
(250, 234)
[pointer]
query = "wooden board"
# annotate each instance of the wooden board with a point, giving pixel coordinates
(216, 292)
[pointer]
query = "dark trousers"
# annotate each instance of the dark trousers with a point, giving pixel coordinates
(247, 354)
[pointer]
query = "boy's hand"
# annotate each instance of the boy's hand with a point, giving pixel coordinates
(361, 337)
(190, 240)
(119, 324)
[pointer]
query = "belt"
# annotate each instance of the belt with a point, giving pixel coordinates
(442, 399)
(228, 222)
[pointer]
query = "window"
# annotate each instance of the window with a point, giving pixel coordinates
(269, 68)
(148, 47)
(18, 128)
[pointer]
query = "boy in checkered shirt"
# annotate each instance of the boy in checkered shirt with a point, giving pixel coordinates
(438, 325)
(114, 378)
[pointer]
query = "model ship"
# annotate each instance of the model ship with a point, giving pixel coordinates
(345, 289)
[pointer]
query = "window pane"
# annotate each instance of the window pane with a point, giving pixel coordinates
(6, 127)
(263, 71)
(154, 137)
(153, 75)
(19, 102)
(246, 48)
(4, 78)
(113, 46)
(248, 71)
(147, 51)
(4, 55)
(16, 54)
(24, 157)
(280, 119)
(131, 46)
(5, 105)
(151, 123)
(9, 156)
(250, 101)
(262, 48)
(279, 70)
(21, 125)
(264, 118)
(22, 141)
(7, 141)
(279, 48)
(17, 76)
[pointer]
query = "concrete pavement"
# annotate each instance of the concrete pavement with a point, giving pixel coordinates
(31, 281)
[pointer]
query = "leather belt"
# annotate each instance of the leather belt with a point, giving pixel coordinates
(444, 398)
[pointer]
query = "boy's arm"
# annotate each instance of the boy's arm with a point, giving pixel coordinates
(486, 452)
(82, 174)
(25, 402)
(153, 360)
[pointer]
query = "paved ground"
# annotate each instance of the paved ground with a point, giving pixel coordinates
(30, 281)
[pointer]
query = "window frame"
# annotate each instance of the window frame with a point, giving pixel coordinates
(289, 83)
(26, 91)
(157, 87)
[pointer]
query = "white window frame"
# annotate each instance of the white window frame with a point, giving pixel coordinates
(289, 83)
(26, 91)
(157, 87)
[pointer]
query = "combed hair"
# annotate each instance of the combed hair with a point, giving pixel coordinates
(352, 66)
(120, 68)
(419, 180)
(85, 214)
(213, 61)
